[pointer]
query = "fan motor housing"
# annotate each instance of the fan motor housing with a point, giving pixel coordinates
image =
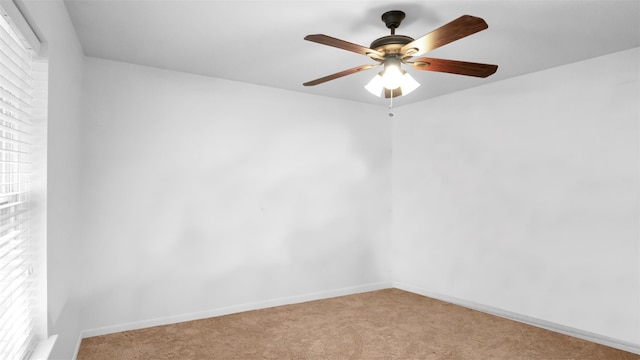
(390, 44)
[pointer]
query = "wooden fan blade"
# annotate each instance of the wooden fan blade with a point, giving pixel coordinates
(457, 29)
(341, 44)
(455, 67)
(339, 75)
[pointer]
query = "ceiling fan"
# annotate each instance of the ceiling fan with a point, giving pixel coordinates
(393, 50)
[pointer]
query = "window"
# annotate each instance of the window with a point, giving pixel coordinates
(19, 329)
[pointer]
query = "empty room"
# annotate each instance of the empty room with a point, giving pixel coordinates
(202, 179)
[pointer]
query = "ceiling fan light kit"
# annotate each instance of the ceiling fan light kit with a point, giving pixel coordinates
(396, 82)
(393, 50)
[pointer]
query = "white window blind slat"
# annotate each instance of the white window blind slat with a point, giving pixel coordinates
(17, 222)
(10, 56)
(14, 162)
(19, 311)
(16, 256)
(11, 120)
(13, 109)
(11, 151)
(11, 43)
(15, 114)
(23, 29)
(16, 81)
(13, 98)
(11, 123)
(5, 123)
(6, 196)
(20, 215)
(17, 342)
(6, 239)
(13, 70)
(12, 138)
(9, 52)
(17, 334)
(7, 300)
(10, 86)
(12, 62)
(4, 93)
(20, 308)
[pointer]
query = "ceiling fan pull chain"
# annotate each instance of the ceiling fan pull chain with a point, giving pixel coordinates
(391, 104)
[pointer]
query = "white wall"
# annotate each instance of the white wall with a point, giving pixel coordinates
(522, 195)
(200, 193)
(65, 59)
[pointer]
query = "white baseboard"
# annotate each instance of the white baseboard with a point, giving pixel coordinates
(235, 309)
(77, 348)
(585, 335)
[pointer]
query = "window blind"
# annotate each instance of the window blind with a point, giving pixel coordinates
(17, 335)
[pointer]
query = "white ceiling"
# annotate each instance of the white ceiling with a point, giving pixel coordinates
(261, 42)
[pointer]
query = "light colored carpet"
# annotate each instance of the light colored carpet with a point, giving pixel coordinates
(385, 324)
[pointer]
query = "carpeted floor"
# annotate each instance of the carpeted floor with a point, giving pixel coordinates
(385, 324)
